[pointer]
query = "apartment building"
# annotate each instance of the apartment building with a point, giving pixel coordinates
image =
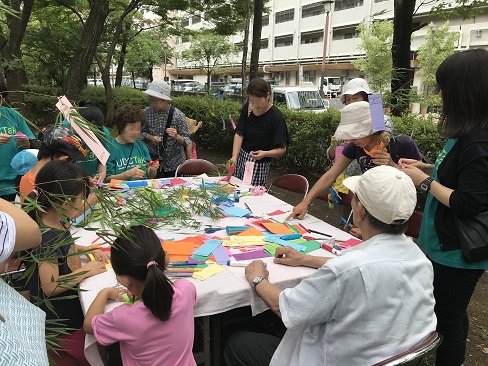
(292, 39)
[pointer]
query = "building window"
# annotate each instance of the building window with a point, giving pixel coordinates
(185, 22)
(312, 10)
(344, 33)
(196, 19)
(287, 77)
(379, 1)
(284, 16)
(264, 43)
(312, 37)
(284, 41)
(239, 45)
(265, 20)
(310, 76)
(347, 4)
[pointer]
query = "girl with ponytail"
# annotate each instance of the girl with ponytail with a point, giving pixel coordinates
(157, 330)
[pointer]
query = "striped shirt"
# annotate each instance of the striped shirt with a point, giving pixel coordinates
(7, 236)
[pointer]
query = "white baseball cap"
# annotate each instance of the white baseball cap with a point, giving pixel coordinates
(387, 193)
(355, 122)
(159, 89)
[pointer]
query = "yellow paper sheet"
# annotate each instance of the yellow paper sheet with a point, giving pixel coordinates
(241, 241)
(92, 257)
(208, 272)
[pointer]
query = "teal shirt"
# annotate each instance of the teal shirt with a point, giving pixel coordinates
(11, 122)
(127, 156)
(428, 239)
(91, 164)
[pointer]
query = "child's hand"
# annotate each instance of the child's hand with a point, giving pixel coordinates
(115, 293)
(93, 268)
(100, 256)
(98, 178)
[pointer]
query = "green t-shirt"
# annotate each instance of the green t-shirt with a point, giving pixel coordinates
(127, 156)
(91, 164)
(11, 122)
(428, 239)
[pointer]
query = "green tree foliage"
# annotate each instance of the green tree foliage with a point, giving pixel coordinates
(376, 41)
(437, 49)
(145, 51)
(207, 50)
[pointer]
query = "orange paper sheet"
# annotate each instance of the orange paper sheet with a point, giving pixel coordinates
(250, 232)
(277, 228)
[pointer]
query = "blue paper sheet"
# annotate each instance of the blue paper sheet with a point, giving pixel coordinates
(236, 211)
(208, 247)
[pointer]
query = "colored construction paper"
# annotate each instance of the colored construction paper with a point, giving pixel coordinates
(211, 270)
(240, 241)
(128, 300)
(270, 239)
(277, 228)
(277, 212)
(86, 135)
(252, 231)
(271, 248)
(256, 254)
(377, 115)
(177, 181)
(236, 211)
(136, 183)
(248, 172)
(350, 243)
(19, 135)
(311, 245)
(178, 248)
(164, 211)
(220, 255)
(207, 248)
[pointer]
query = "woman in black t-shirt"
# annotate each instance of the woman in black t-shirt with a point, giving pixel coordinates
(261, 134)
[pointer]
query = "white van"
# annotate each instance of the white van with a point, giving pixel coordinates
(177, 85)
(298, 98)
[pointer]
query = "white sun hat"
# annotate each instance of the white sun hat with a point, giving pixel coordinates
(159, 89)
(355, 122)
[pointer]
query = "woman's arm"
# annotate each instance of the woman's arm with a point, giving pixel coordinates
(324, 183)
(236, 146)
(27, 233)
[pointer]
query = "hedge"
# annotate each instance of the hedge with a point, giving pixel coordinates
(310, 133)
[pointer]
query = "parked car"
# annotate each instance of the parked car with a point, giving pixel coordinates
(298, 98)
(193, 86)
(216, 86)
(177, 85)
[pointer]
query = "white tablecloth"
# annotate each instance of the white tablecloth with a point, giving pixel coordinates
(221, 292)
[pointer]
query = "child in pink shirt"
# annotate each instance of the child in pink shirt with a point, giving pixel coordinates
(157, 330)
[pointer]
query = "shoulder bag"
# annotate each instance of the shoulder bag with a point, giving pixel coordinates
(473, 236)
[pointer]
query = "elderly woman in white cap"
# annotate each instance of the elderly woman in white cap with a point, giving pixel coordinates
(368, 148)
(166, 132)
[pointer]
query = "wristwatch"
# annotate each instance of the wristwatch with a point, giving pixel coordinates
(425, 185)
(257, 280)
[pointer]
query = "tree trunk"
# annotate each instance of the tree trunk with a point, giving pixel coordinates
(245, 50)
(123, 51)
(15, 74)
(400, 50)
(80, 65)
(256, 38)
